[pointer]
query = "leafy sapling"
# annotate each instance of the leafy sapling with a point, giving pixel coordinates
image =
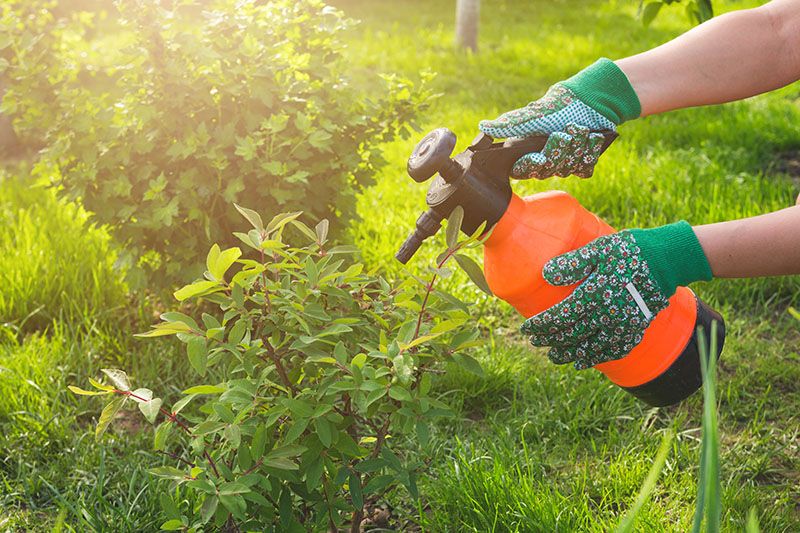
(309, 370)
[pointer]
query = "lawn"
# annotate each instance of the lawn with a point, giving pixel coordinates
(532, 446)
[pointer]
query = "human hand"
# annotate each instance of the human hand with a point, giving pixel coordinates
(626, 279)
(597, 98)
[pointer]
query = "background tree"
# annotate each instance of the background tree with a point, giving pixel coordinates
(467, 18)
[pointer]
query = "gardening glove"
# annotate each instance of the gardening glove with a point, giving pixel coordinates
(628, 277)
(599, 97)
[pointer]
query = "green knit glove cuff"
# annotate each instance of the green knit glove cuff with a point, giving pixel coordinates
(606, 89)
(674, 255)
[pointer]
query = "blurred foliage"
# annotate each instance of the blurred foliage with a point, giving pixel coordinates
(697, 11)
(159, 115)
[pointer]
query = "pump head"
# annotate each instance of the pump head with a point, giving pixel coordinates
(477, 179)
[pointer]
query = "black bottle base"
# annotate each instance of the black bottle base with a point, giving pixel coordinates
(684, 377)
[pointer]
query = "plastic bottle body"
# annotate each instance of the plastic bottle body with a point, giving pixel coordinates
(539, 227)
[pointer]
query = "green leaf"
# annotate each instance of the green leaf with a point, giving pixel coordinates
(375, 395)
(649, 12)
(454, 222)
(359, 360)
(233, 487)
(421, 340)
(400, 394)
(168, 472)
(299, 408)
(235, 504)
(252, 217)
(335, 329)
(236, 334)
(82, 392)
(305, 230)
(355, 491)
(195, 289)
(197, 350)
(290, 450)
(279, 221)
(141, 395)
(174, 316)
(346, 249)
(168, 328)
(161, 434)
(213, 255)
(101, 386)
(118, 378)
(223, 262)
(107, 415)
(794, 312)
(172, 525)
(205, 389)
(468, 363)
(209, 508)
(150, 409)
(281, 463)
(474, 272)
(180, 404)
(378, 483)
(259, 442)
(321, 229)
(323, 430)
(168, 505)
(296, 430)
(423, 434)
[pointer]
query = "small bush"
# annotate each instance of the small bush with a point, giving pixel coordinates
(55, 263)
(311, 370)
(212, 102)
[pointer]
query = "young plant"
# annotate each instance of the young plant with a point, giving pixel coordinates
(311, 368)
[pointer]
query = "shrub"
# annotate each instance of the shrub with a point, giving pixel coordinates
(55, 263)
(212, 102)
(311, 369)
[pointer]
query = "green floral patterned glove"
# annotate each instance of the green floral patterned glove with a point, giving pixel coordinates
(600, 97)
(628, 278)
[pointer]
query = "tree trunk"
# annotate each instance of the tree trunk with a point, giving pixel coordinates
(467, 16)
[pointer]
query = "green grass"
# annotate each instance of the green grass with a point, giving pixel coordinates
(49, 461)
(703, 165)
(55, 264)
(538, 448)
(532, 447)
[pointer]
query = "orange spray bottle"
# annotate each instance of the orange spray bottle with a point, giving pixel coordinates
(527, 232)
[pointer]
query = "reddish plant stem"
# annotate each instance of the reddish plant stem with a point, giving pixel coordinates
(273, 355)
(429, 290)
(177, 458)
(264, 282)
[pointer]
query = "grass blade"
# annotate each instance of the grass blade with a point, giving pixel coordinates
(709, 504)
(752, 522)
(626, 525)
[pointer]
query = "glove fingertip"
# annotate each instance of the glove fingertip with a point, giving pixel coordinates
(560, 356)
(492, 128)
(530, 165)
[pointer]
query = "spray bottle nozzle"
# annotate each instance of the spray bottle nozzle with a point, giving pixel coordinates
(432, 155)
(476, 179)
(428, 224)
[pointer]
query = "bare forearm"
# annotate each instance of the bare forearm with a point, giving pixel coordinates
(766, 245)
(733, 56)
